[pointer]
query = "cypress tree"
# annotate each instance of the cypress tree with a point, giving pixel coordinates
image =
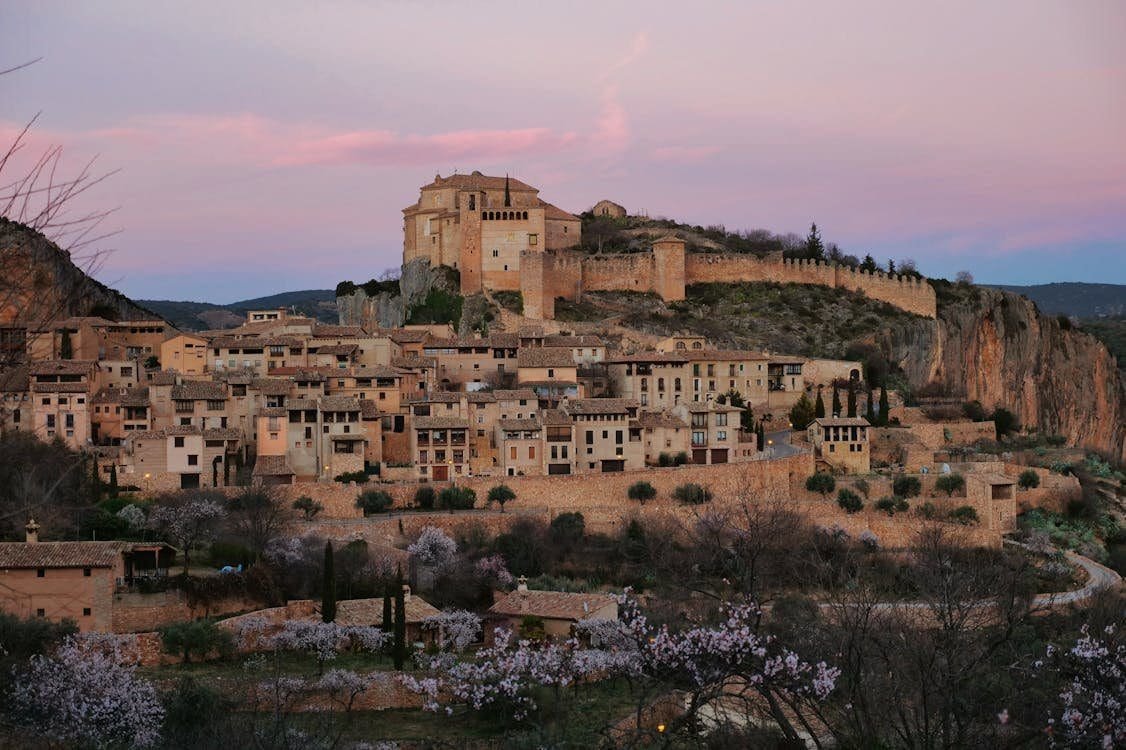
(851, 399)
(883, 405)
(66, 349)
(761, 437)
(871, 415)
(814, 248)
(819, 406)
(328, 590)
(95, 482)
(836, 402)
(388, 601)
(113, 480)
(400, 653)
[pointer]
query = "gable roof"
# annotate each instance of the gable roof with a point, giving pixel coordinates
(477, 181)
(554, 605)
(60, 554)
(545, 356)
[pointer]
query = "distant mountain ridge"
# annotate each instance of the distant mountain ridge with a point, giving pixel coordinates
(197, 316)
(1073, 298)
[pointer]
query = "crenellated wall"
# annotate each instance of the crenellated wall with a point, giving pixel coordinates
(667, 269)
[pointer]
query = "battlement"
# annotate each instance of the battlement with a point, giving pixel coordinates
(667, 269)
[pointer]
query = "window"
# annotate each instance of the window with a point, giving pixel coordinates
(699, 438)
(40, 573)
(533, 239)
(512, 452)
(721, 435)
(531, 452)
(590, 437)
(178, 442)
(40, 612)
(721, 419)
(193, 459)
(86, 572)
(85, 611)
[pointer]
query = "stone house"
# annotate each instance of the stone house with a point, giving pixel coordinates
(841, 443)
(185, 353)
(118, 412)
(714, 431)
(179, 457)
(440, 447)
(525, 610)
(60, 392)
(606, 434)
(521, 446)
(609, 209)
(664, 432)
(474, 363)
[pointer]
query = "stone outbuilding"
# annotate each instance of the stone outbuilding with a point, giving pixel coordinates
(610, 209)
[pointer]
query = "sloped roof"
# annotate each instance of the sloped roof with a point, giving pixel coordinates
(60, 554)
(544, 356)
(329, 331)
(553, 212)
(199, 390)
(600, 405)
(339, 403)
(439, 423)
(561, 339)
(660, 419)
(477, 181)
(842, 422)
(272, 466)
(272, 386)
(62, 367)
(518, 425)
(370, 611)
(517, 394)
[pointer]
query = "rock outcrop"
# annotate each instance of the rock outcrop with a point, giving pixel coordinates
(388, 309)
(998, 349)
(41, 283)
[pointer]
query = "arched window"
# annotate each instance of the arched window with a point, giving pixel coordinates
(525, 216)
(697, 345)
(660, 384)
(681, 345)
(505, 216)
(676, 384)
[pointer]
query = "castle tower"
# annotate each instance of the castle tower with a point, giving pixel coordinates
(470, 203)
(668, 268)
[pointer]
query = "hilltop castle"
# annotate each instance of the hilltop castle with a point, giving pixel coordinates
(499, 235)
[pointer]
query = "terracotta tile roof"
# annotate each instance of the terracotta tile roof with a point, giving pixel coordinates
(439, 423)
(272, 466)
(301, 404)
(724, 355)
(339, 403)
(643, 357)
(518, 394)
(368, 409)
(477, 181)
(492, 341)
(378, 371)
(162, 377)
(62, 367)
(697, 407)
(481, 397)
(199, 390)
(518, 425)
(60, 554)
(414, 363)
(530, 332)
(335, 349)
(135, 397)
(370, 611)
(660, 419)
(272, 386)
(274, 411)
(222, 433)
(402, 336)
(544, 356)
(437, 397)
(554, 212)
(552, 605)
(60, 387)
(842, 422)
(238, 378)
(599, 405)
(181, 429)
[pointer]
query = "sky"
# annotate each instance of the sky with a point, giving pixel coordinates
(271, 146)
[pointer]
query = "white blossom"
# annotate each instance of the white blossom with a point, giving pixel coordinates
(133, 516)
(433, 547)
(457, 628)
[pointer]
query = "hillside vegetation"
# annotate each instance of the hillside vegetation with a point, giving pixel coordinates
(197, 316)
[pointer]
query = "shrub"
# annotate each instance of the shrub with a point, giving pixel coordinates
(862, 486)
(889, 504)
(849, 500)
(199, 637)
(870, 541)
(950, 483)
(500, 495)
(1005, 422)
(374, 501)
(975, 411)
(928, 510)
(692, 494)
(641, 491)
(567, 529)
(680, 459)
(359, 477)
(964, 514)
(457, 498)
(822, 483)
(664, 459)
(1028, 479)
(905, 486)
(424, 497)
(308, 506)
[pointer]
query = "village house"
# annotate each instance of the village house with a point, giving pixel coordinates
(179, 458)
(60, 392)
(118, 412)
(475, 363)
(609, 209)
(73, 580)
(440, 447)
(185, 353)
(550, 614)
(665, 434)
(95, 338)
(607, 436)
(841, 443)
(714, 431)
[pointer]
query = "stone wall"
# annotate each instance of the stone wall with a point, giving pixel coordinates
(135, 613)
(667, 269)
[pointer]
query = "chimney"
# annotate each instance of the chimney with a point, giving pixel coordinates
(32, 530)
(406, 593)
(522, 583)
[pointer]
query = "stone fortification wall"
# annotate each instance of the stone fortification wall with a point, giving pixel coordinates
(134, 613)
(667, 269)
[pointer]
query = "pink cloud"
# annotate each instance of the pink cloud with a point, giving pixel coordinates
(684, 154)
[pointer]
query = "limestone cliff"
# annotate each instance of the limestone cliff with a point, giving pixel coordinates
(40, 283)
(997, 348)
(388, 309)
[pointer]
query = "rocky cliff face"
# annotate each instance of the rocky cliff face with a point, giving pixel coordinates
(41, 283)
(998, 349)
(387, 310)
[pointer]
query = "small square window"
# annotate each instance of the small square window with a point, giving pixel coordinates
(40, 612)
(86, 612)
(40, 573)
(86, 572)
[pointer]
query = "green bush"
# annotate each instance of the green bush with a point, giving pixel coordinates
(950, 483)
(374, 501)
(308, 506)
(456, 498)
(424, 497)
(567, 529)
(849, 500)
(975, 411)
(359, 477)
(664, 459)
(692, 494)
(680, 459)
(439, 306)
(1028, 479)
(892, 505)
(906, 486)
(822, 483)
(500, 495)
(199, 637)
(641, 491)
(964, 514)
(928, 510)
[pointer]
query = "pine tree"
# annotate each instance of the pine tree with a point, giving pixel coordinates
(836, 402)
(66, 349)
(819, 405)
(883, 405)
(813, 245)
(869, 264)
(113, 480)
(871, 414)
(851, 399)
(891, 266)
(328, 590)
